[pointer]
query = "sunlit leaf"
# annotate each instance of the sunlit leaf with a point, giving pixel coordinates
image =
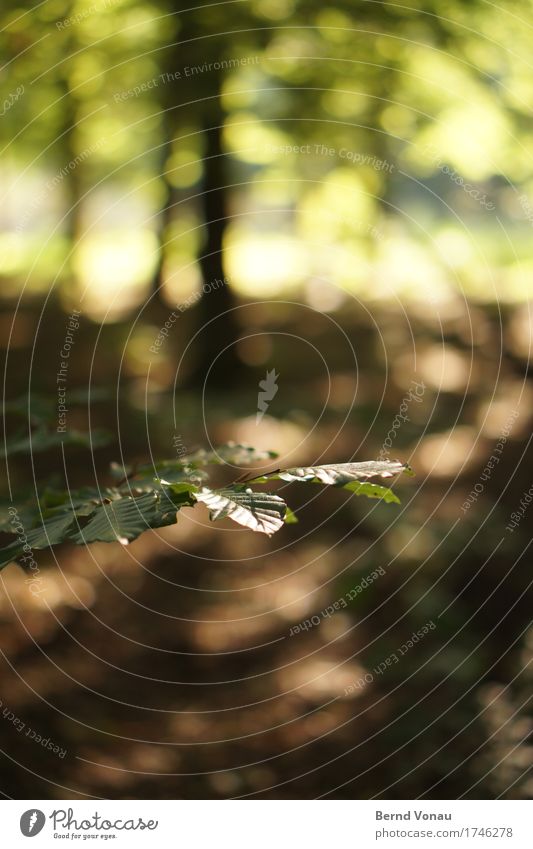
(340, 474)
(150, 496)
(259, 511)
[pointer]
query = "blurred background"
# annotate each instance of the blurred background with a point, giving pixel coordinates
(343, 194)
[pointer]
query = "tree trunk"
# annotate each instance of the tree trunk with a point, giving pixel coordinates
(216, 321)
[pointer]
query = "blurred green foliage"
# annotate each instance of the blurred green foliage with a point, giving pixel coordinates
(336, 136)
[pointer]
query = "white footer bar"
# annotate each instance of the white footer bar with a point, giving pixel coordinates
(272, 824)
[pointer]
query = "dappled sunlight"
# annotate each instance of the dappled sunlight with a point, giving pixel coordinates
(265, 266)
(245, 248)
(520, 338)
(444, 455)
(293, 442)
(114, 273)
(445, 369)
(319, 679)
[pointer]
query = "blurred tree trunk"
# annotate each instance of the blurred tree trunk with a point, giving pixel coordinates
(72, 183)
(165, 215)
(216, 317)
(201, 106)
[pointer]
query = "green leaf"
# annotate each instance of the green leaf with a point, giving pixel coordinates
(37, 409)
(232, 454)
(26, 513)
(170, 473)
(337, 474)
(119, 472)
(178, 480)
(259, 511)
(43, 439)
(152, 495)
(126, 519)
(373, 490)
(290, 517)
(40, 408)
(51, 532)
